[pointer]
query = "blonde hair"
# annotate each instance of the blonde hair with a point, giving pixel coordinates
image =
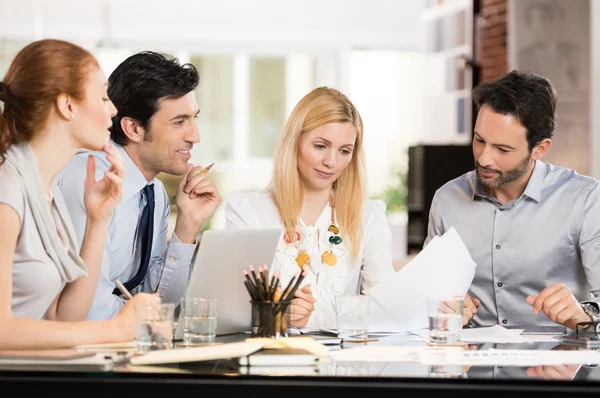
(321, 106)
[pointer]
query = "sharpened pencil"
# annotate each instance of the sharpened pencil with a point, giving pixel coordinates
(123, 290)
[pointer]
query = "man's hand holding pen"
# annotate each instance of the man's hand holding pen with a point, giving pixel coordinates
(196, 200)
(301, 308)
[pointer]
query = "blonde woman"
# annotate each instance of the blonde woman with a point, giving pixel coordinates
(54, 103)
(317, 196)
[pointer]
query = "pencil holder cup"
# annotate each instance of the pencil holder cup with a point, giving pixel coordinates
(268, 318)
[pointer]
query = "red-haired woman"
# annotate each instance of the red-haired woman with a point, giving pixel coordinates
(55, 103)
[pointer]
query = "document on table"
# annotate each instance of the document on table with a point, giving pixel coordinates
(493, 334)
(380, 353)
(512, 357)
(459, 356)
(444, 268)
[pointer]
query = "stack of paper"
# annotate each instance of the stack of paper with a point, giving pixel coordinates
(444, 268)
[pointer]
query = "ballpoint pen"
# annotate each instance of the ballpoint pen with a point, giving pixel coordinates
(123, 290)
(204, 171)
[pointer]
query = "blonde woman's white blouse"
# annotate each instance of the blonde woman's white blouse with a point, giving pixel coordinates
(257, 209)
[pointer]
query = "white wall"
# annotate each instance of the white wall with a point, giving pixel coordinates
(328, 30)
(218, 25)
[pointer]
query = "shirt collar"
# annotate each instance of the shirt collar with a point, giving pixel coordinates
(533, 190)
(476, 186)
(134, 180)
(536, 182)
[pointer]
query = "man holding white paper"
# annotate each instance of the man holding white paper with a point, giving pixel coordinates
(532, 228)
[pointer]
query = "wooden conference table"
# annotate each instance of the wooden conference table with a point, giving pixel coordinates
(365, 379)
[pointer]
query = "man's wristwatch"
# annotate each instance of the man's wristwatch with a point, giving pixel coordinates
(592, 311)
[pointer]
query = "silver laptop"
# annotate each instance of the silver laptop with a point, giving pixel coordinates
(217, 272)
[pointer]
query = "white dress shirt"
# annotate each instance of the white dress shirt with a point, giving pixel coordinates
(169, 263)
(257, 209)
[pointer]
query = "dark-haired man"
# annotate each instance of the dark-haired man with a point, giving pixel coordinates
(155, 131)
(532, 228)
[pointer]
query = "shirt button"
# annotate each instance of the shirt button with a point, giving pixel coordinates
(171, 259)
(504, 321)
(500, 284)
(498, 246)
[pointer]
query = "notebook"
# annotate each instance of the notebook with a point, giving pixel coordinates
(198, 354)
(280, 357)
(62, 359)
(279, 370)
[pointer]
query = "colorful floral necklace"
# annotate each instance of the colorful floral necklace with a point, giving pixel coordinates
(328, 257)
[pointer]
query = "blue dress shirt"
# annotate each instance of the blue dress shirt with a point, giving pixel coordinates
(169, 266)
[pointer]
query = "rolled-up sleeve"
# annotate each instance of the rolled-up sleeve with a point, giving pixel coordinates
(589, 242)
(435, 227)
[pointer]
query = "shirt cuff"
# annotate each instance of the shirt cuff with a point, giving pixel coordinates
(180, 254)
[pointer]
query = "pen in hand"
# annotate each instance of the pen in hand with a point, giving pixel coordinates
(123, 290)
(204, 171)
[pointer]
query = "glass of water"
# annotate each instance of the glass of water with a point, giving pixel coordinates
(154, 327)
(199, 320)
(352, 316)
(445, 320)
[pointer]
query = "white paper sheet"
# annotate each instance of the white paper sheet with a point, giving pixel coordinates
(492, 334)
(510, 357)
(459, 356)
(379, 353)
(541, 338)
(382, 321)
(444, 268)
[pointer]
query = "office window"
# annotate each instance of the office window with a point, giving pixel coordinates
(215, 100)
(267, 104)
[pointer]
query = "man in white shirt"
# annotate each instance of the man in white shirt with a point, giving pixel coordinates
(155, 131)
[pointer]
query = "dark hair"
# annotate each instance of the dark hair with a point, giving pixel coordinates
(138, 84)
(40, 72)
(528, 97)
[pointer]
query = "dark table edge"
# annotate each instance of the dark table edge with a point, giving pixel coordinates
(67, 383)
